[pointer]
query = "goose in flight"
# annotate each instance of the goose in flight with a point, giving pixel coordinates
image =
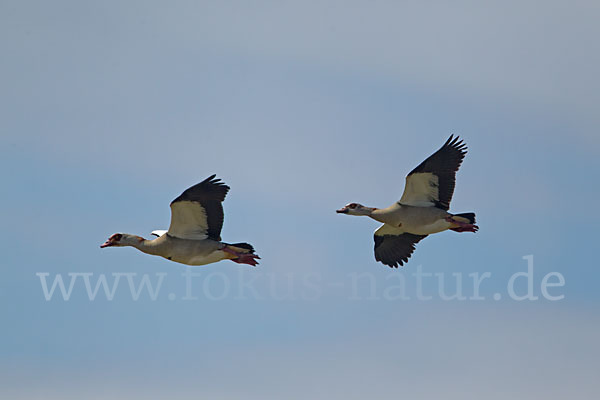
(423, 208)
(194, 236)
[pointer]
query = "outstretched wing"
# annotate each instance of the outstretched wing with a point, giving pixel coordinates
(198, 213)
(393, 246)
(432, 182)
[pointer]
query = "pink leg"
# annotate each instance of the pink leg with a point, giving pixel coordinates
(242, 258)
(462, 226)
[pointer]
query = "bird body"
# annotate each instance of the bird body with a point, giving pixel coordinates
(423, 208)
(412, 219)
(194, 235)
(184, 251)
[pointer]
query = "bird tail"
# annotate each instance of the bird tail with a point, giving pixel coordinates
(247, 247)
(464, 222)
(242, 253)
(465, 217)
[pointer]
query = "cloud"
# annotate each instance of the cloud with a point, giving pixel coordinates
(524, 51)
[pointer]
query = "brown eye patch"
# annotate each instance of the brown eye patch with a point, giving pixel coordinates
(116, 236)
(353, 205)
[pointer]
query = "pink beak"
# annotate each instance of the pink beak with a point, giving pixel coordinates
(106, 244)
(343, 210)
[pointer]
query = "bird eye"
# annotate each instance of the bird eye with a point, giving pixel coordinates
(353, 205)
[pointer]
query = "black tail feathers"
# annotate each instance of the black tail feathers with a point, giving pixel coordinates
(246, 246)
(469, 216)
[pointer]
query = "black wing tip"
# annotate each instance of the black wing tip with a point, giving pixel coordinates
(213, 180)
(210, 186)
(456, 143)
(392, 263)
(395, 265)
(395, 258)
(454, 150)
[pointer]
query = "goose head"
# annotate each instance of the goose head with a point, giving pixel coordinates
(122, 239)
(355, 209)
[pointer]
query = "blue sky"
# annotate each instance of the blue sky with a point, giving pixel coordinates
(109, 110)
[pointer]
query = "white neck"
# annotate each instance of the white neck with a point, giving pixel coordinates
(143, 245)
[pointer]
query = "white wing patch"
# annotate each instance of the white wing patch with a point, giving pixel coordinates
(188, 220)
(421, 188)
(158, 232)
(386, 229)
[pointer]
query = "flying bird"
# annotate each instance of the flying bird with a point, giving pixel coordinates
(194, 236)
(423, 208)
